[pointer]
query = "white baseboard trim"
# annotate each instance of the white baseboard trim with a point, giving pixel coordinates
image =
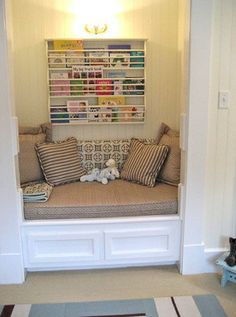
(11, 269)
(211, 254)
(193, 259)
(197, 259)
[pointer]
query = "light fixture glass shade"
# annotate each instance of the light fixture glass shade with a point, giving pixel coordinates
(96, 28)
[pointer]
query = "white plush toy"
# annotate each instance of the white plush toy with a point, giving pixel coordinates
(111, 164)
(102, 176)
(92, 176)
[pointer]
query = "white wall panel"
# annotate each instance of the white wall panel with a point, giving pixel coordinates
(220, 219)
(155, 20)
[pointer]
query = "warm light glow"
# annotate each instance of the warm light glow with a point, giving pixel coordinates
(78, 13)
(95, 28)
(94, 12)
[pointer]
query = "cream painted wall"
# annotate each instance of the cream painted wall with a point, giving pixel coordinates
(220, 217)
(156, 20)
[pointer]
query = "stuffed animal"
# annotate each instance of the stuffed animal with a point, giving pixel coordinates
(111, 164)
(104, 175)
(108, 173)
(100, 176)
(92, 176)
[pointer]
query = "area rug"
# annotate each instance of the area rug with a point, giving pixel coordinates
(180, 306)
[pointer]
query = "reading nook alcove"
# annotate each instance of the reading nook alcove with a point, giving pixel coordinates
(151, 239)
(133, 220)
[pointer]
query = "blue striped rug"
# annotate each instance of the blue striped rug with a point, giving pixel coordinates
(180, 306)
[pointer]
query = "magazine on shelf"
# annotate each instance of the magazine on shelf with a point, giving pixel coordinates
(131, 114)
(116, 74)
(87, 71)
(126, 114)
(76, 87)
(60, 88)
(58, 114)
(93, 114)
(119, 47)
(98, 57)
(105, 114)
(119, 59)
(118, 87)
(90, 87)
(137, 113)
(112, 103)
(104, 87)
(136, 59)
(68, 45)
(77, 110)
(57, 60)
(133, 87)
(74, 58)
(59, 74)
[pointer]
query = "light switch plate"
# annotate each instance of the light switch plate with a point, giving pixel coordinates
(223, 99)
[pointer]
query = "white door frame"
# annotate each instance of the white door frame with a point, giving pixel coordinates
(194, 189)
(11, 258)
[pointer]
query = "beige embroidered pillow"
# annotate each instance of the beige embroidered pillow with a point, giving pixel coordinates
(29, 166)
(60, 161)
(170, 171)
(144, 162)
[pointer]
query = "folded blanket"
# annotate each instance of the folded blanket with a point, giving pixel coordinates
(36, 192)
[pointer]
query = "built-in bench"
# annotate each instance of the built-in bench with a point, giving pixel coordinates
(91, 225)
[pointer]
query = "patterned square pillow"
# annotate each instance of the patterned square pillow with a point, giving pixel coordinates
(60, 161)
(144, 162)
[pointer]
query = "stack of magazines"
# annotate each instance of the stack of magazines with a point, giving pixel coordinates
(36, 192)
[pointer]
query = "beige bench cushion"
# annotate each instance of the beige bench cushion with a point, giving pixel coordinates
(118, 198)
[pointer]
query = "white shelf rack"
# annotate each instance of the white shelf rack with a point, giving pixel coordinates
(98, 81)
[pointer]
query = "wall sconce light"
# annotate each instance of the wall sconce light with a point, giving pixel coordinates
(95, 28)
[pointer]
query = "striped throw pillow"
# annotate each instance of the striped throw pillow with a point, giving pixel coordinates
(60, 161)
(144, 162)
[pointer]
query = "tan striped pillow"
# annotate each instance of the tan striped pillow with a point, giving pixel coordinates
(60, 161)
(144, 162)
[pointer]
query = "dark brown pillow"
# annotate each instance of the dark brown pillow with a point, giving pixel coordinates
(60, 161)
(144, 162)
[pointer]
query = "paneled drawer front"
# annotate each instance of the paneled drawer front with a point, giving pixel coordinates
(158, 243)
(60, 248)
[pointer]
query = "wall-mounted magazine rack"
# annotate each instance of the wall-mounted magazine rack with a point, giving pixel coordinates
(100, 81)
